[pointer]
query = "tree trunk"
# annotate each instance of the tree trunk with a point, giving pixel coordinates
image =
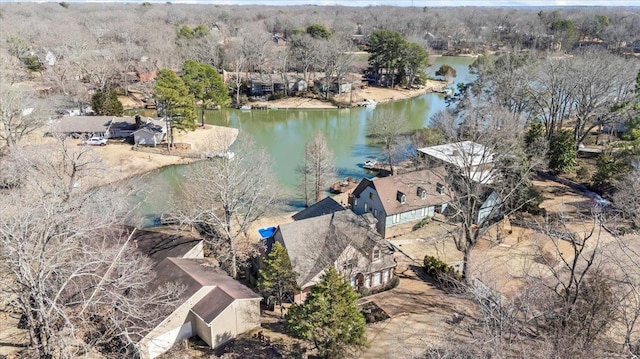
(388, 145)
(465, 265)
(232, 246)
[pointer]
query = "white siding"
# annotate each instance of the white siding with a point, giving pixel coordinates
(164, 342)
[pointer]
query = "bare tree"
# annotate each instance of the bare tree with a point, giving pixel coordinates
(20, 113)
(57, 247)
(627, 197)
(316, 169)
(224, 195)
(388, 130)
(486, 171)
(238, 60)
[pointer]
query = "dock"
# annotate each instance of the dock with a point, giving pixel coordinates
(346, 185)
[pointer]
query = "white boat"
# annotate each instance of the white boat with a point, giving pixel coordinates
(245, 107)
(368, 103)
(228, 155)
(370, 164)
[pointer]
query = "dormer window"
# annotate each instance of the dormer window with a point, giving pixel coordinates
(440, 188)
(422, 193)
(376, 254)
(401, 197)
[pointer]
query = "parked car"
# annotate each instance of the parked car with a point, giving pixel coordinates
(95, 141)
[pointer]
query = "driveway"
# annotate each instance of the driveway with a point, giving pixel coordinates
(419, 313)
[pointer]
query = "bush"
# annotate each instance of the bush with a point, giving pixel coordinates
(445, 275)
(423, 222)
(582, 172)
(392, 283)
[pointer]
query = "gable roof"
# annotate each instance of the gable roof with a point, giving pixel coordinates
(388, 189)
(153, 126)
(325, 206)
(315, 243)
(196, 274)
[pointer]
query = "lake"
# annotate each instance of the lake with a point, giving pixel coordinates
(284, 133)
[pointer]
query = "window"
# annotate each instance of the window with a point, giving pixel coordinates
(366, 207)
(375, 212)
(422, 193)
(377, 278)
(370, 195)
(353, 281)
(355, 202)
(350, 265)
(376, 254)
(385, 276)
(440, 188)
(368, 282)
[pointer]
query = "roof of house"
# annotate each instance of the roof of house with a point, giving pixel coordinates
(161, 245)
(196, 274)
(315, 243)
(460, 154)
(70, 124)
(83, 124)
(324, 206)
(153, 126)
(388, 189)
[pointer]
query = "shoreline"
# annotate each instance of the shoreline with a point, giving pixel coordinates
(348, 100)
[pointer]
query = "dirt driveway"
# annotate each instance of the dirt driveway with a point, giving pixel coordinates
(420, 316)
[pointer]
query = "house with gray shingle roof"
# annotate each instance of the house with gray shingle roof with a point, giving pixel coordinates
(341, 239)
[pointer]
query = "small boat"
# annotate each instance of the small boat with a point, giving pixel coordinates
(245, 107)
(368, 103)
(370, 164)
(228, 155)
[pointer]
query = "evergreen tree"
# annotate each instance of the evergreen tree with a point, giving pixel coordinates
(329, 317)
(446, 71)
(205, 84)
(277, 278)
(176, 101)
(105, 102)
(562, 152)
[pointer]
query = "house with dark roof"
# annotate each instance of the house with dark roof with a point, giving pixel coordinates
(341, 239)
(327, 205)
(150, 133)
(89, 126)
(398, 202)
(212, 305)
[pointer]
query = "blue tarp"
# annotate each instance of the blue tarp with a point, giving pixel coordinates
(267, 232)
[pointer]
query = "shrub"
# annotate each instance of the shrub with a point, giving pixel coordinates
(582, 172)
(445, 275)
(423, 222)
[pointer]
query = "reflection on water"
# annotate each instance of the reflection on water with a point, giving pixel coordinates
(284, 132)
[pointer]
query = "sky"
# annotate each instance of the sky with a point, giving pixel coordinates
(417, 3)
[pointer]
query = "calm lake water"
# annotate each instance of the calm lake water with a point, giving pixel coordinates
(284, 133)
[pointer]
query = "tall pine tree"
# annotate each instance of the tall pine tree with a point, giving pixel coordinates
(205, 84)
(105, 102)
(329, 317)
(171, 92)
(277, 279)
